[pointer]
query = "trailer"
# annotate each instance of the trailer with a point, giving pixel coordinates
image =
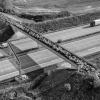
(94, 22)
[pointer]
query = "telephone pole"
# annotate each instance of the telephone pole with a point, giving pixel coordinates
(21, 77)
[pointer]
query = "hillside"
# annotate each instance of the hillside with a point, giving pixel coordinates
(62, 3)
(70, 5)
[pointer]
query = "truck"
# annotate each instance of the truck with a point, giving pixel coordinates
(94, 22)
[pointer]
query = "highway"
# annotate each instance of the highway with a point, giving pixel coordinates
(82, 41)
(36, 60)
(73, 45)
(67, 34)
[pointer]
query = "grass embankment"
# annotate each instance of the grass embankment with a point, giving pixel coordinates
(50, 23)
(63, 23)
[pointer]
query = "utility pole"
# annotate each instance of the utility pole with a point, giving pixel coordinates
(21, 77)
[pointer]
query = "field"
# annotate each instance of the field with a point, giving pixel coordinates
(74, 6)
(63, 84)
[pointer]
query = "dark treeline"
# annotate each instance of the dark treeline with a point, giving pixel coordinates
(63, 23)
(59, 85)
(6, 33)
(9, 11)
(43, 17)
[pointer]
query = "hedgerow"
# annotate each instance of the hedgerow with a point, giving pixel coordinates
(40, 17)
(60, 21)
(63, 23)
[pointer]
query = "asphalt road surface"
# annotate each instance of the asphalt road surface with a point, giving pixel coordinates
(64, 34)
(81, 40)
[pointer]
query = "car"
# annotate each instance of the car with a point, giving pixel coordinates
(3, 45)
(59, 41)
